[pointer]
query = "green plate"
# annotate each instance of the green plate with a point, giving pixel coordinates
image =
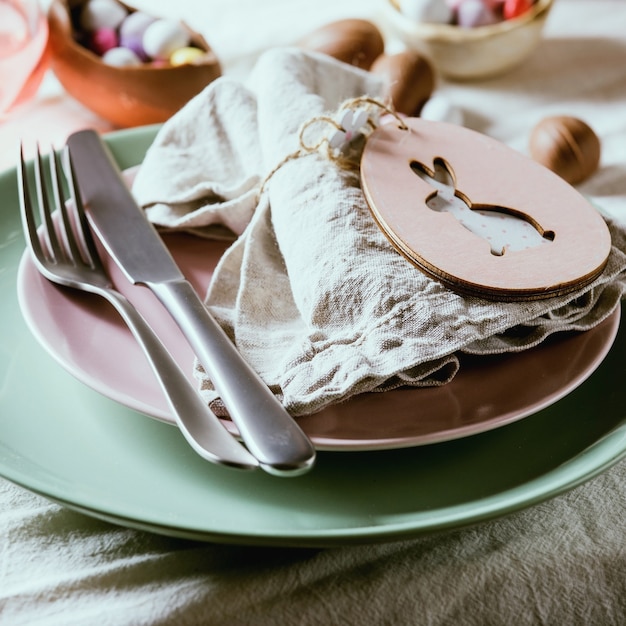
(75, 446)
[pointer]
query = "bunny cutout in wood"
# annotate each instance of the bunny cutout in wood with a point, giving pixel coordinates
(503, 230)
(433, 186)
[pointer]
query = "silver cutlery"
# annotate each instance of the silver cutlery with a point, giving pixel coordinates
(64, 252)
(267, 429)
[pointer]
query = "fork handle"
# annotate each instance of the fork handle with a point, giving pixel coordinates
(198, 424)
(269, 431)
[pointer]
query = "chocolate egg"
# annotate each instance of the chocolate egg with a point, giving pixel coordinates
(354, 41)
(567, 146)
(409, 78)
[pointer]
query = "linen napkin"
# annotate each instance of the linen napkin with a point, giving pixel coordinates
(311, 291)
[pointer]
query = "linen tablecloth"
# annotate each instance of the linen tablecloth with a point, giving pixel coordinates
(560, 562)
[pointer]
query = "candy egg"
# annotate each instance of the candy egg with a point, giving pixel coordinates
(440, 109)
(102, 40)
(163, 37)
(121, 57)
(493, 5)
(186, 56)
(514, 8)
(474, 13)
(354, 41)
(132, 30)
(135, 44)
(136, 24)
(97, 14)
(567, 146)
(434, 11)
(409, 78)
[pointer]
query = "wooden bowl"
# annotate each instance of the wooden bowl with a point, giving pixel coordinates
(129, 96)
(471, 53)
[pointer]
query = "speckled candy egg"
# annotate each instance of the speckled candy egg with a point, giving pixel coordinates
(163, 37)
(435, 11)
(97, 14)
(514, 8)
(132, 30)
(121, 57)
(567, 146)
(474, 13)
(186, 56)
(103, 39)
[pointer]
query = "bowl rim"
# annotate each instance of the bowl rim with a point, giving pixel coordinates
(430, 30)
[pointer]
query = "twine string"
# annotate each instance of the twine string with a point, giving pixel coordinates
(347, 156)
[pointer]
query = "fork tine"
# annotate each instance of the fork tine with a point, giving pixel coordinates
(27, 211)
(73, 251)
(92, 255)
(54, 248)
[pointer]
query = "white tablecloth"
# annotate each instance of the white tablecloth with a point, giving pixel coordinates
(559, 562)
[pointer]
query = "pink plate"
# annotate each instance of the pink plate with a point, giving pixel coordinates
(86, 336)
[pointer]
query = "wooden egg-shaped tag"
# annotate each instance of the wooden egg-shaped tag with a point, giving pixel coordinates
(480, 217)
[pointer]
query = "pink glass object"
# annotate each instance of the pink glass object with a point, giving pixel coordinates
(23, 51)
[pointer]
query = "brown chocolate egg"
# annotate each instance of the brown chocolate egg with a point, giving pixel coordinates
(567, 146)
(409, 79)
(354, 41)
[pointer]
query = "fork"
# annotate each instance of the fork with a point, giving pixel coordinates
(64, 252)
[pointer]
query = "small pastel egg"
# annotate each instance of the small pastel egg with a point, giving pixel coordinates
(103, 39)
(409, 79)
(494, 5)
(132, 30)
(121, 57)
(163, 37)
(136, 24)
(514, 8)
(135, 44)
(186, 56)
(354, 41)
(97, 14)
(567, 146)
(435, 11)
(440, 109)
(474, 13)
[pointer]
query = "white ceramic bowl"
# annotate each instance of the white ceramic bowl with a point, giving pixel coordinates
(471, 53)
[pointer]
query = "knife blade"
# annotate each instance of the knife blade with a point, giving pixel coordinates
(268, 430)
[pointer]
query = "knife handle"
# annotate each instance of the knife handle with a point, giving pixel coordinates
(268, 430)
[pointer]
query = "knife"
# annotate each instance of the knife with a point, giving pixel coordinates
(268, 430)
